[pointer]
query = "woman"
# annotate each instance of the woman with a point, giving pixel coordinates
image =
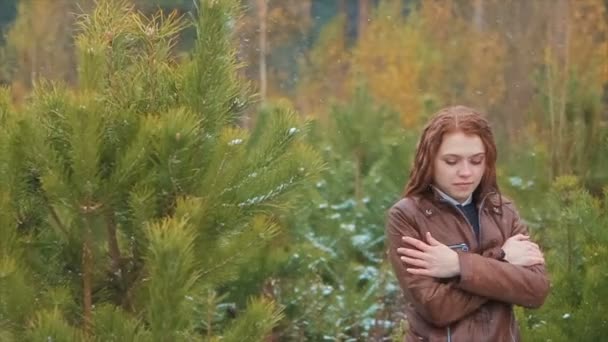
(458, 247)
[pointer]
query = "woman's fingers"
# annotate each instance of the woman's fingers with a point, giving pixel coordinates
(419, 271)
(412, 253)
(520, 237)
(431, 240)
(415, 262)
(537, 261)
(531, 246)
(534, 258)
(416, 243)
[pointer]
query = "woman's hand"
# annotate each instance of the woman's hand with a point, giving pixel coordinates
(433, 259)
(519, 250)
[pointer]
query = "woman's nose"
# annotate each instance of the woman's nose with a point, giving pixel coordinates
(465, 170)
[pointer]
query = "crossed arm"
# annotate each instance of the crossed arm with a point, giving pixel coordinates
(434, 277)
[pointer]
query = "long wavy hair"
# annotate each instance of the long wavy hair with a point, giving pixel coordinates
(449, 120)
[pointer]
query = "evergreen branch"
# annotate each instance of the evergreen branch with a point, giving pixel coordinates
(171, 267)
(54, 214)
(233, 257)
(87, 266)
(210, 311)
(87, 278)
(113, 242)
(49, 325)
(274, 193)
(227, 260)
(261, 316)
(116, 266)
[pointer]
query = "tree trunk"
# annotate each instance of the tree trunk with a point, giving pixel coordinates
(558, 39)
(521, 26)
(87, 280)
(478, 15)
(358, 161)
(262, 16)
(364, 9)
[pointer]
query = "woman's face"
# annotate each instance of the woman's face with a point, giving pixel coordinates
(459, 165)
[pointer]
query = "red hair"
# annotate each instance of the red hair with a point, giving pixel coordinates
(449, 120)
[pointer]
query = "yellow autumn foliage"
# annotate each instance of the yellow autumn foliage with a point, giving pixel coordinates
(588, 41)
(412, 64)
(471, 62)
(325, 75)
(389, 58)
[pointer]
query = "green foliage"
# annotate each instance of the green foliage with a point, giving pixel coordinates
(571, 106)
(130, 58)
(5, 103)
(249, 327)
(172, 275)
(348, 291)
(129, 203)
(17, 294)
(522, 175)
(575, 237)
(211, 84)
(50, 325)
(115, 325)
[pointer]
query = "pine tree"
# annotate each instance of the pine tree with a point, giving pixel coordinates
(129, 202)
(575, 239)
(336, 284)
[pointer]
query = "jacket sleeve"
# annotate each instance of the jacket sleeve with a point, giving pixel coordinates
(429, 296)
(497, 280)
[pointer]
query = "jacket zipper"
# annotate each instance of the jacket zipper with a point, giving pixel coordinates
(512, 320)
(478, 240)
(479, 216)
(462, 246)
(469, 222)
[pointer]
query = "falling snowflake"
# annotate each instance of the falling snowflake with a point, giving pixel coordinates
(235, 142)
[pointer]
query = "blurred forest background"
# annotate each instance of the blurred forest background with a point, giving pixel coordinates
(222, 170)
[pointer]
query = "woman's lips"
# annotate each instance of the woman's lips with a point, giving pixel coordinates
(462, 185)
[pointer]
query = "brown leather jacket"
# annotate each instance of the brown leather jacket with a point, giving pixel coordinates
(477, 305)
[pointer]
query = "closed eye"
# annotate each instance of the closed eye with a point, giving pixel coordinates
(477, 161)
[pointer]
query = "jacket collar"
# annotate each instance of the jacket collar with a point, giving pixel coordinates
(489, 200)
(451, 200)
